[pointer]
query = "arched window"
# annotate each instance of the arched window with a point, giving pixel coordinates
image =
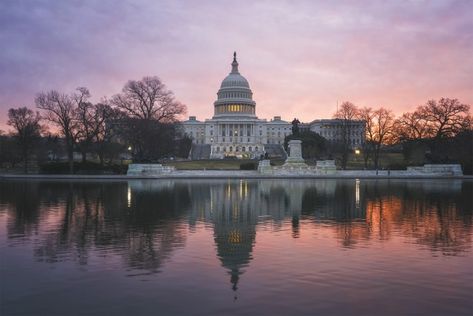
(256, 148)
(231, 149)
(243, 149)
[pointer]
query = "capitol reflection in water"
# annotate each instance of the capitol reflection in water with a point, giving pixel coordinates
(141, 225)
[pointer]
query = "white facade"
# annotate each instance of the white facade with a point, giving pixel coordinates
(235, 130)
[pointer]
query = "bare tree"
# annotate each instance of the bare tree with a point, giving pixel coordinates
(61, 110)
(149, 107)
(446, 117)
(90, 125)
(106, 136)
(149, 99)
(347, 113)
(413, 126)
(27, 130)
(366, 114)
(382, 131)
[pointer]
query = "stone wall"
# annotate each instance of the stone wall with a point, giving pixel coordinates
(148, 169)
(443, 169)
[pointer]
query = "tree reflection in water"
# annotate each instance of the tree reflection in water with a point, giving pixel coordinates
(145, 221)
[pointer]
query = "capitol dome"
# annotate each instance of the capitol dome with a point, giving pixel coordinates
(234, 96)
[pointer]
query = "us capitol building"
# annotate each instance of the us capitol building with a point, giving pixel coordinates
(236, 131)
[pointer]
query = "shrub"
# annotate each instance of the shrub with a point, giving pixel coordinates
(248, 166)
(396, 166)
(82, 168)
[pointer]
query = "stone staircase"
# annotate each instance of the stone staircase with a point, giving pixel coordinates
(275, 151)
(200, 152)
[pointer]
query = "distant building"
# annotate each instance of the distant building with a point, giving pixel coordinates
(333, 129)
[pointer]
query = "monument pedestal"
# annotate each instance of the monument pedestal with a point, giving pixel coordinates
(295, 159)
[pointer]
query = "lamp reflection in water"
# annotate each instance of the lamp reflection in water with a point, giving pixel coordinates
(357, 193)
(128, 196)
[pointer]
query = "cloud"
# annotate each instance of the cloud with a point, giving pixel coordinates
(300, 57)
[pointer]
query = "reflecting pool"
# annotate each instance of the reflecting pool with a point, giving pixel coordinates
(236, 247)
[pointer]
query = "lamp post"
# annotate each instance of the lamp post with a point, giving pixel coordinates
(357, 153)
(130, 152)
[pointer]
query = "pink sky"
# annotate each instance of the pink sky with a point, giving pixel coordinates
(299, 57)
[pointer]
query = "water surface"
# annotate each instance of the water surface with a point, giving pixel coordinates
(236, 247)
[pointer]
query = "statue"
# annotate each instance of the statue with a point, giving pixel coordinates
(295, 126)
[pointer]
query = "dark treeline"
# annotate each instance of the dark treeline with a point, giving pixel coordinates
(436, 132)
(140, 122)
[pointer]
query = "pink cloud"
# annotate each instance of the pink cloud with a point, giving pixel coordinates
(300, 58)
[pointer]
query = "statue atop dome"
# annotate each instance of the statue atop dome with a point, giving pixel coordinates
(234, 64)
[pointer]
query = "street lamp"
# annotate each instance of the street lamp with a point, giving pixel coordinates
(130, 153)
(357, 153)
